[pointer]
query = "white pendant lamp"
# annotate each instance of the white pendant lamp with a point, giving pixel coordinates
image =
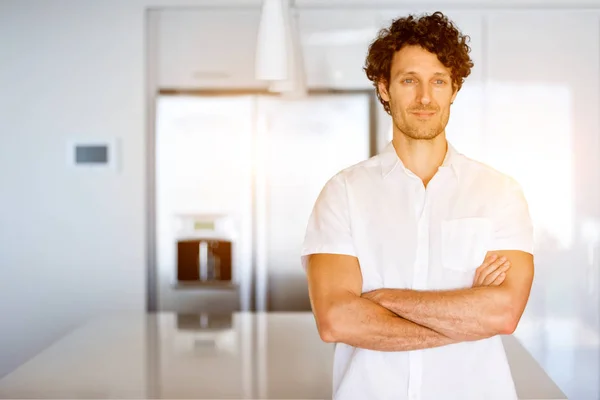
(279, 53)
(271, 50)
(295, 85)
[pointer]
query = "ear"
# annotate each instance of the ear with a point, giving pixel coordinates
(383, 91)
(454, 95)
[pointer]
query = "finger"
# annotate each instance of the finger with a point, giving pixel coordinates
(486, 263)
(484, 276)
(496, 264)
(476, 277)
(492, 267)
(489, 259)
(494, 274)
(499, 279)
(488, 278)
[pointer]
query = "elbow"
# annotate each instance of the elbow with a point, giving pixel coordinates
(335, 318)
(327, 325)
(511, 320)
(507, 318)
(498, 324)
(508, 324)
(326, 333)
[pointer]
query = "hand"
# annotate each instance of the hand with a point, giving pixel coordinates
(492, 272)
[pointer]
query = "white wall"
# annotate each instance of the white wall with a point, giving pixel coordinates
(72, 243)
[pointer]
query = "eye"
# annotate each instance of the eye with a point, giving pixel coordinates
(440, 81)
(408, 80)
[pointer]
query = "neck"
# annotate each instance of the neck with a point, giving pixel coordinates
(422, 157)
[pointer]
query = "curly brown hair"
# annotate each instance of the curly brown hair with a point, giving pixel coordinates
(435, 33)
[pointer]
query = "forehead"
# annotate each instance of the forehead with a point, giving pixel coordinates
(416, 59)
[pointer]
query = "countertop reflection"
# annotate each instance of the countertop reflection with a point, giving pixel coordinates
(216, 356)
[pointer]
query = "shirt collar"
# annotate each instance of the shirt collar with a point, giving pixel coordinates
(390, 160)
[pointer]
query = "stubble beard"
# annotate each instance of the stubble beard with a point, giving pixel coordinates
(420, 130)
(419, 133)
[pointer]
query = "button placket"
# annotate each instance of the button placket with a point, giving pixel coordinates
(422, 259)
(420, 283)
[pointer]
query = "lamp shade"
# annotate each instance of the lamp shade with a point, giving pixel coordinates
(272, 61)
(295, 85)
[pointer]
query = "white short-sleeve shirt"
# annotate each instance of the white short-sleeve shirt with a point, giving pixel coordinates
(411, 237)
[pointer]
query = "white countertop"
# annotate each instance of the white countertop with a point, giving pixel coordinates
(239, 356)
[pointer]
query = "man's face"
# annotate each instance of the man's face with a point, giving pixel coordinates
(419, 93)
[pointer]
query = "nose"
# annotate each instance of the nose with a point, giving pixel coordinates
(424, 93)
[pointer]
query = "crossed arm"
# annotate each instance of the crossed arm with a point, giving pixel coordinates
(398, 320)
(467, 314)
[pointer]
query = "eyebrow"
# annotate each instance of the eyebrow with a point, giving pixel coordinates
(443, 74)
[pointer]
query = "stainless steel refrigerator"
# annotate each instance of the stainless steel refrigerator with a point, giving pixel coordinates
(246, 170)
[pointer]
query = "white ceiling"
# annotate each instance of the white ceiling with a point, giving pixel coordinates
(393, 4)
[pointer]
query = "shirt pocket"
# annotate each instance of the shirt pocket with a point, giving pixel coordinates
(465, 242)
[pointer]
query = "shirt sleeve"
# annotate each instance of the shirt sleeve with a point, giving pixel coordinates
(328, 229)
(513, 227)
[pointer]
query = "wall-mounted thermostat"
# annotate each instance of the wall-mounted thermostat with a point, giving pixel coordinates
(95, 154)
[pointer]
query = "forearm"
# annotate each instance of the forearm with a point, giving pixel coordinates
(362, 323)
(465, 314)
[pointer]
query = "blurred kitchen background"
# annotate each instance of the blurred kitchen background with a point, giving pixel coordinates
(149, 162)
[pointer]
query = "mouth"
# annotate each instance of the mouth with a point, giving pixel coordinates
(424, 114)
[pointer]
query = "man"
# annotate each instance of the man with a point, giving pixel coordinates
(407, 254)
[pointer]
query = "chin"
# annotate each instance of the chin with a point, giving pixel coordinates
(423, 135)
